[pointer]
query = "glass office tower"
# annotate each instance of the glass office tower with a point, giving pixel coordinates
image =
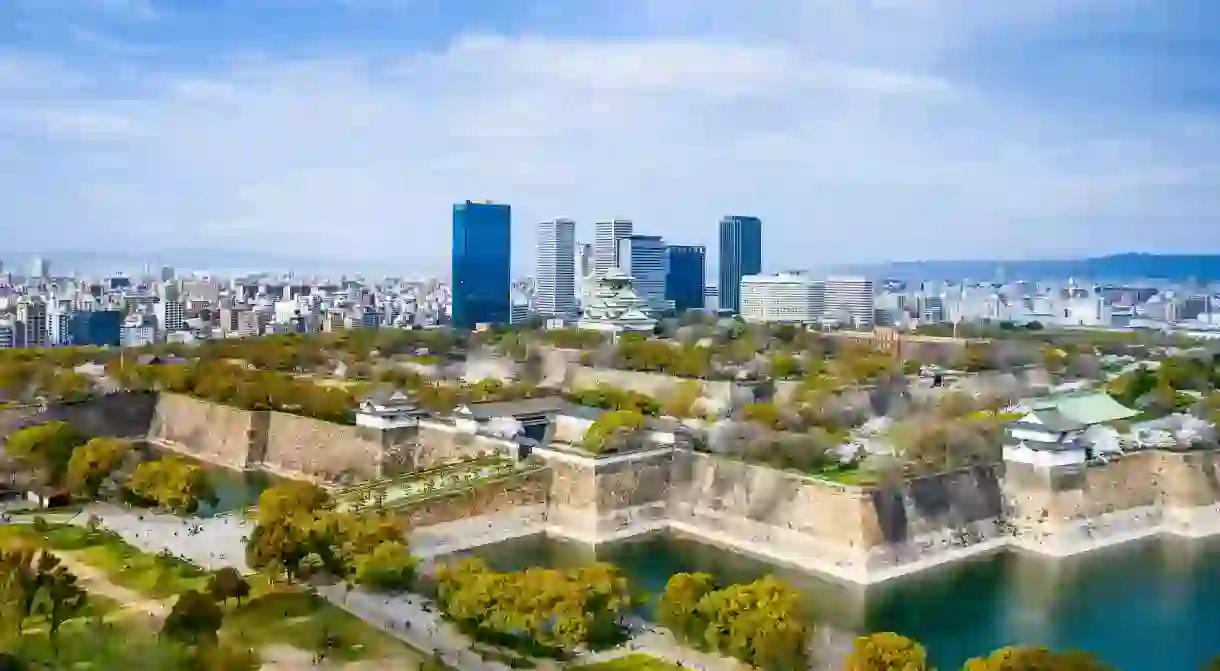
(687, 275)
(481, 273)
(740, 255)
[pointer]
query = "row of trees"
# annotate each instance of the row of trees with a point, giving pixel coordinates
(761, 623)
(239, 385)
(608, 397)
(892, 652)
(299, 534)
(538, 611)
(55, 458)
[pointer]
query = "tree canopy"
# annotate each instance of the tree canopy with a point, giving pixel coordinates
(761, 623)
(172, 483)
(46, 449)
(546, 611)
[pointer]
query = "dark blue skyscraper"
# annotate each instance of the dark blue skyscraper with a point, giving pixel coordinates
(482, 240)
(686, 277)
(740, 255)
(97, 328)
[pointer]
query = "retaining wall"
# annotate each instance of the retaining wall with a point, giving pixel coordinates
(486, 498)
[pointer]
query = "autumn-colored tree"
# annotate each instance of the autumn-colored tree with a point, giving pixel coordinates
(93, 462)
(886, 651)
(761, 623)
(678, 606)
(288, 499)
(172, 483)
(540, 610)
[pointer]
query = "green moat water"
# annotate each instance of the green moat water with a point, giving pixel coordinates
(1145, 606)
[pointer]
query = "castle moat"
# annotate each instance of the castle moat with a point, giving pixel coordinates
(1147, 605)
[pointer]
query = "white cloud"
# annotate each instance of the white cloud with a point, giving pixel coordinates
(853, 147)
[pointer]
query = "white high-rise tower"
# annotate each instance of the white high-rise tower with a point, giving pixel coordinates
(555, 276)
(605, 244)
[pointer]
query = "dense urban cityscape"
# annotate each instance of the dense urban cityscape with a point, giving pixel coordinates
(47, 310)
(802, 335)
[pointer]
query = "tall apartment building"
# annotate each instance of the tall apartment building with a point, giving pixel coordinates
(740, 255)
(555, 273)
(686, 277)
(850, 301)
(606, 237)
(32, 322)
(646, 258)
(59, 319)
(784, 297)
(8, 335)
(171, 315)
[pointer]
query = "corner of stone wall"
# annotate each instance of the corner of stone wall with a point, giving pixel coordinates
(257, 437)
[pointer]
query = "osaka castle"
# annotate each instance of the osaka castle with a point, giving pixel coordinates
(614, 307)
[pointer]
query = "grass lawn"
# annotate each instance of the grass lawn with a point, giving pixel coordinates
(274, 614)
(636, 662)
(287, 615)
(154, 576)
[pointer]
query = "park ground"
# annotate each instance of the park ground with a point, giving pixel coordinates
(131, 591)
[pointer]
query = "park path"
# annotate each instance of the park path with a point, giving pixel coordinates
(95, 581)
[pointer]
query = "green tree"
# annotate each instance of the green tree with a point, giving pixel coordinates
(538, 610)
(172, 483)
(93, 462)
(46, 449)
(58, 598)
(783, 365)
(678, 610)
(1029, 658)
(228, 583)
(388, 568)
(886, 651)
(289, 499)
(194, 619)
(761, 623)
(614, 431)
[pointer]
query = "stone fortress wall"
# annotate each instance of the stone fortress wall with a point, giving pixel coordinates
(868, 533)
(856, 533)
(277, 441)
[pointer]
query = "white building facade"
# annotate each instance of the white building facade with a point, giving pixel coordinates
(850, 301)
(784, 297)
(555, 274)
(606, 237)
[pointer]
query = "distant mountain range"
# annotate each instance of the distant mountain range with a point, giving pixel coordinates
(1173, 267)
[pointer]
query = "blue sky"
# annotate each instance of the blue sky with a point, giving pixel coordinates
(858, 130)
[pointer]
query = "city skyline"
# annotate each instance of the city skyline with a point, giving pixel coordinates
(944, 129)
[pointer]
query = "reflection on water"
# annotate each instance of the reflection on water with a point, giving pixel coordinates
(1151, 605)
